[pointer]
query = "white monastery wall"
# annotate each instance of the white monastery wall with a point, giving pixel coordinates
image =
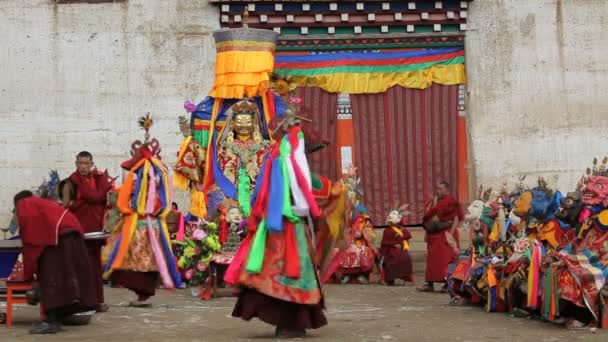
(76, 76)
(537, 81)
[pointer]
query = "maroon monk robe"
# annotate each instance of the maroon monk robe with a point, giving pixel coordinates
(41, 222)
(439, 251)
(89, 207)
(397, 263)
(53, 249)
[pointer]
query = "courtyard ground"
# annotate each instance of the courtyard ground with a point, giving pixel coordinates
(355, 313)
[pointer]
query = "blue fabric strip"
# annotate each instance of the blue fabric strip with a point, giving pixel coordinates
(113, 254)
(279, 106)
(364, 55)
(274, 221)
(220, 179)
(162, 187)
(177, 280)
(493, 299)
(137, 189)
(259, 180)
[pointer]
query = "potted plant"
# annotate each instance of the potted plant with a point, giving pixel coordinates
(198, 250)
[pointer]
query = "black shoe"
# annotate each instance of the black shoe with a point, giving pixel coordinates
(44, 327)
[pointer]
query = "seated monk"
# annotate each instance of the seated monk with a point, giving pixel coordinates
(358, 259)
(581, 271)
(54, 251)
(396, 260)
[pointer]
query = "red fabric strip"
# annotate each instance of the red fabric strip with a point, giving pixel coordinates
(292, 261)
(360, 62)
(201, 127)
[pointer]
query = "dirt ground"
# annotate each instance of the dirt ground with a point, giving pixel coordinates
(355, 313)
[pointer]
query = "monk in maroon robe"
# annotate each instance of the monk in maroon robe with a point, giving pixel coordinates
(54, 251)
(85, 194)
(441, 219)
(394, 249)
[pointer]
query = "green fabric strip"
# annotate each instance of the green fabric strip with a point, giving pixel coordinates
(548, 290)
(555, 293)
(244, 192)
(201, 136)
(256, 254)
(366, 69)
(285, 150)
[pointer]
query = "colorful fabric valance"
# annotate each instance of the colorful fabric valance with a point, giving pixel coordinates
(372, 72)
(243, 62)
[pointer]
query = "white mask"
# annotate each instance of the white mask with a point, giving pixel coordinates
(514, 218)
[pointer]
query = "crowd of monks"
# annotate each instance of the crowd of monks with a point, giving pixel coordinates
(536, 252)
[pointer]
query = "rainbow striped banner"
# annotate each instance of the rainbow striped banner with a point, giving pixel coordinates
(373, 72)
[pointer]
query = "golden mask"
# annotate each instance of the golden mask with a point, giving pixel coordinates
(522, 205)
(243, 125)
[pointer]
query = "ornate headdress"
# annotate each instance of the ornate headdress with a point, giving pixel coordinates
(484, 195)
(580, 185)
(294, 117)
(521, 186)
(599, 170)
(244, 61)
(544, 186)
(244, 107)
(149, 148)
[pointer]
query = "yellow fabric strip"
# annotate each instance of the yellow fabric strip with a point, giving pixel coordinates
(240, 91)
(180, 181)
(236, 79)
(198, 204)
(406, 244)
(602, 217)
(208, 123)
(242, 73)
(367, 83)
(243, 62)
(143, 190)
(128, 229)
(494, 237)
(245, 43)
